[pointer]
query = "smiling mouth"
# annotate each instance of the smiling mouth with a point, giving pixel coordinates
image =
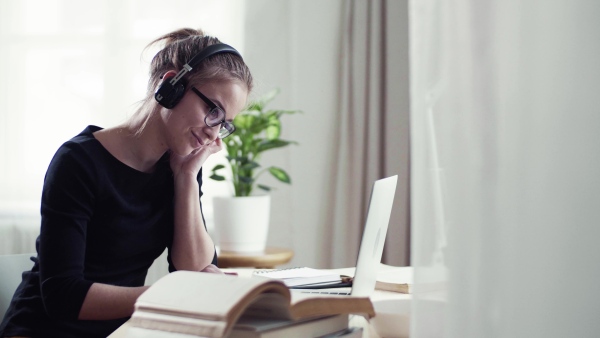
(198, 139)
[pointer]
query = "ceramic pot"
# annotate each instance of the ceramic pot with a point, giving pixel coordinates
(242, 223)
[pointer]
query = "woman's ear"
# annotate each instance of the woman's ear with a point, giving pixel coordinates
(168, 75)
(169, 94)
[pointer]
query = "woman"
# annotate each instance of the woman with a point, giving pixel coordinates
(115, 198)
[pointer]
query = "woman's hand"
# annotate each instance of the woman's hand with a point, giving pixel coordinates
(211, 268)
(193, 162)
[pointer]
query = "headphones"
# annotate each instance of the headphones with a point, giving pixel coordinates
(170, 92)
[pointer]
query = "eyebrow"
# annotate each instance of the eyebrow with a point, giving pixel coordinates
(204, 97)
(220, 105)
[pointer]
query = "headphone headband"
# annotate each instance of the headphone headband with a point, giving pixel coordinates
(170, 92)
(212, 50)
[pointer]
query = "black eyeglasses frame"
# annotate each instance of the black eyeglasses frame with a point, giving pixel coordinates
(227, 128)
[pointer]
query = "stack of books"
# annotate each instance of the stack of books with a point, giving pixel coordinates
(322, 327)
(196, 304)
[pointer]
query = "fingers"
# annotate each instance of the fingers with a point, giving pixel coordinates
(216, 146)
(211, 268)
(196, 158)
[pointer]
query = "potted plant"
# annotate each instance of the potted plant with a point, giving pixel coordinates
(242, 221)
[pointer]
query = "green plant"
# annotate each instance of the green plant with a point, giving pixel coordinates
(256, 131)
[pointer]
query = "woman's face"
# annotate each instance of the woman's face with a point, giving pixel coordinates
(184, 125)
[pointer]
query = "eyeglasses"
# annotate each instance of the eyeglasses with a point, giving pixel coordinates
(216, 116)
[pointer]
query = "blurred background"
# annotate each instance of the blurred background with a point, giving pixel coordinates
(487, 111)
(66, 64)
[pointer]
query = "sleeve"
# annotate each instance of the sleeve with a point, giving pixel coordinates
(214, 261)
(67, 205)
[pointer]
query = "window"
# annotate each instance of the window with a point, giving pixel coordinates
(68, 63)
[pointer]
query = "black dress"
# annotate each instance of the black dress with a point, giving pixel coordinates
(102, 221)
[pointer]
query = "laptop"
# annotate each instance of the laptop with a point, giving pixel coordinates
(373, 239)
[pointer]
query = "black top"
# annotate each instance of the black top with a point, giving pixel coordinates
(102, 221)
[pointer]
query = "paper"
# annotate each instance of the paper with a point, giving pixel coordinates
(300, 276)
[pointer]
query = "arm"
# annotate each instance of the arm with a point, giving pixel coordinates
(104, 302)
(192, 247)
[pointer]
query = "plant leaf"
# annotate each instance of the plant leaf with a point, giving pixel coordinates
(271, 144)
(246, 179)
(217, 177)
(280, 112)
(257, 129)
(280, 174)
(250, 165)
(217, 167)
(244, 120)
(273, 130)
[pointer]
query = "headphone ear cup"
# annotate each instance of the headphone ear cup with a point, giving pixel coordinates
(168, 95)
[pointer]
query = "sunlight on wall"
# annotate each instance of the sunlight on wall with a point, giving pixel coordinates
(67, 64)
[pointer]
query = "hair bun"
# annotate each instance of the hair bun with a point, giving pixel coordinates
(180, 34)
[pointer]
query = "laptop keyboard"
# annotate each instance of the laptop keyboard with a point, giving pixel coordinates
(326, 292)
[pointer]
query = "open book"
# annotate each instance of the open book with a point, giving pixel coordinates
(205, 304)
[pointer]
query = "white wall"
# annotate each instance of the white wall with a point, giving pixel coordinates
(295, 45)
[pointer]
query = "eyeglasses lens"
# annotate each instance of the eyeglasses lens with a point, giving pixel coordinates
(215, 117)
(227, 128)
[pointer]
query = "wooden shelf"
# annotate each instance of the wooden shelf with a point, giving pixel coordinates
(269, 259)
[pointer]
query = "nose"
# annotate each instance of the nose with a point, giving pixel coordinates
(212, 132)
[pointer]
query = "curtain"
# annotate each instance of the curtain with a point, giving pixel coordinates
(372, 130)
(505, 188)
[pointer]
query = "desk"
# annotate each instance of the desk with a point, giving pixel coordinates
(380, 323)
(269, 259)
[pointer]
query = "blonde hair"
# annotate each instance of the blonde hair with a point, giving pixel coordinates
(179, 47)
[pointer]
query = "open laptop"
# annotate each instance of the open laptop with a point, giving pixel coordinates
(373, 239)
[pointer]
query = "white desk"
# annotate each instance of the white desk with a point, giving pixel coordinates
(383, 323)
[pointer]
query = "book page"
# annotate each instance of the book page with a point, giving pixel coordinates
(269, 305)
(198, 294)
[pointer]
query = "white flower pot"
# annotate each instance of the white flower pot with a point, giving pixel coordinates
(242, 223)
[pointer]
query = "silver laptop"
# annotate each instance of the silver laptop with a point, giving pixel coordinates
(373, 239)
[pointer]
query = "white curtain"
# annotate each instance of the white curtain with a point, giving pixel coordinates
(505, 190)
(372, 134)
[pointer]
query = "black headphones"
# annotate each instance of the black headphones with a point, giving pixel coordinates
(170, 92)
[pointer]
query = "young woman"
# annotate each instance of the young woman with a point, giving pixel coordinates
(115, 198)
